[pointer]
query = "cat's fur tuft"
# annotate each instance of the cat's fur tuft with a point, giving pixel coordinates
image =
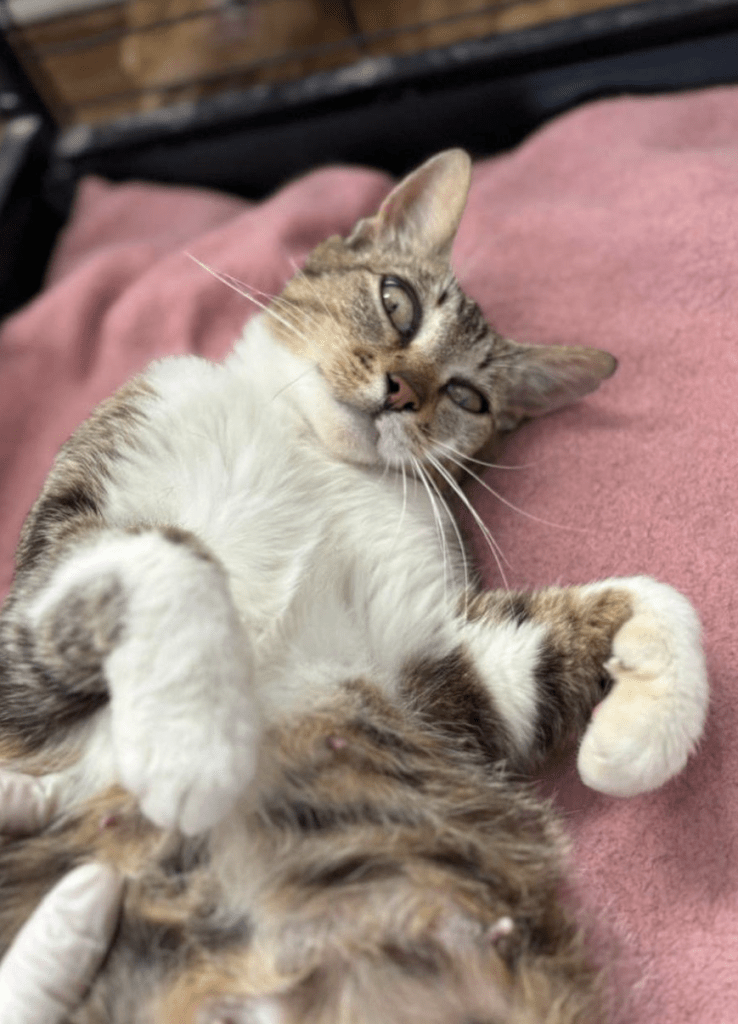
(245, 641)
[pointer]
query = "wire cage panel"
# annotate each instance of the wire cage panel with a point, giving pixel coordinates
(121, 58)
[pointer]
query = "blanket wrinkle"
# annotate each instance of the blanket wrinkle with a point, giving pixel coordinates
(612, 226)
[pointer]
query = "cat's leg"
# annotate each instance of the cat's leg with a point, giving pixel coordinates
(652, 719)
(617, 663)
(146, 620)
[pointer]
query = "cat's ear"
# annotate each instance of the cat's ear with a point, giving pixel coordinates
(542, 378)
(421, 215)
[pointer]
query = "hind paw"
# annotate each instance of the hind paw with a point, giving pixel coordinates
(645, 729)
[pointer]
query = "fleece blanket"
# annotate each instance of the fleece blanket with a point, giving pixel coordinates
(615, 226)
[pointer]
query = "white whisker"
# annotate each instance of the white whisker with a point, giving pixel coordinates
(291, 383)
(480, 462)
(401, 520)
(287, 304)
(240, 289)
(459, 538)
(491, 542)
(510, 505)
(312, 287)
(423, 477)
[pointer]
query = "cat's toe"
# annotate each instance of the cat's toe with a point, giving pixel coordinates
(194, 797)
(645, 729)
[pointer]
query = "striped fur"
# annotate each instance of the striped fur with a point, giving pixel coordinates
(391, 872)
(244, 636)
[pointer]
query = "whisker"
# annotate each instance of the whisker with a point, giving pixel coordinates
(312, 287)
(423, 477)
(459, 538)
(480, 462)
(510, 505)
(491, 542)
(292, 382)
(240, 289)
(287, 304)
(404, 502)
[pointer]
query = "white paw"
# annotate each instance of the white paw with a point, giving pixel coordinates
(184, 722)
(184, 725)
(186, 772)
(644, 730)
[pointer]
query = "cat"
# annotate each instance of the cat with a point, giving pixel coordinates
(244, 645)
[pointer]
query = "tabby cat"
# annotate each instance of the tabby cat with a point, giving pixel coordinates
(244, 641)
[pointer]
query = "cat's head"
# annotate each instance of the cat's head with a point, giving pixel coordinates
(405, 365)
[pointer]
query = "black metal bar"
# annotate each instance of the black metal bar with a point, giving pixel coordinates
(19, 94)
(28, 224)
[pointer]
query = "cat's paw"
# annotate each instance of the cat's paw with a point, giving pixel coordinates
(643, 732)
(188, 775)
(185, 726)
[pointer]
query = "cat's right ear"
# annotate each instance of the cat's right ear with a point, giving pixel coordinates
(421, 215)
(542, 378)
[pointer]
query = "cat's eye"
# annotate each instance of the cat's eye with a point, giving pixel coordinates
(466, 397)
(401, 305)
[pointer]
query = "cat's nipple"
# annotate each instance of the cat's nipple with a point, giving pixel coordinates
(501, 929)
(336, 742)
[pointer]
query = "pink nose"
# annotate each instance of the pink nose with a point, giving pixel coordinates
(401, 395)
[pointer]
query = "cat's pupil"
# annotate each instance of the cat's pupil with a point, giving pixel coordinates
(401, 305)
(466, 397)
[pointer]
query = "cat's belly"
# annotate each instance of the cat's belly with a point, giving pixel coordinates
(337, 571)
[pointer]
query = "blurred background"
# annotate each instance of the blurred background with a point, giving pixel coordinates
(92, 60)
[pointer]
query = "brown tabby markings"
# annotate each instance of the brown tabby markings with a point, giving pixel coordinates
(453, 698)
(425, 881)
(72, 498)
(570, 675)
(52, 677)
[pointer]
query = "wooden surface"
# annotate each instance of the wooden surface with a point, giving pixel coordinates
(129, 64)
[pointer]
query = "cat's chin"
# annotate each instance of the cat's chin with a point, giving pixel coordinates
(392, 443)
(356, 436)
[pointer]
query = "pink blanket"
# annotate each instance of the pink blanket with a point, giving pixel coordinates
(615, 226)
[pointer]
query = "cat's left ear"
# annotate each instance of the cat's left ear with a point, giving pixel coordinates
(542, 378)
(421, 215)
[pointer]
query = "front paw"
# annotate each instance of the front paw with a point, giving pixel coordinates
(188, 774)
(645, 729)
(185, 745)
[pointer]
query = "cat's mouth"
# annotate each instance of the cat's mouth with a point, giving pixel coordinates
(372, 437)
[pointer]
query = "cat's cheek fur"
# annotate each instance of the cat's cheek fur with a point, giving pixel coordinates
(346, 432)
(651, 721)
